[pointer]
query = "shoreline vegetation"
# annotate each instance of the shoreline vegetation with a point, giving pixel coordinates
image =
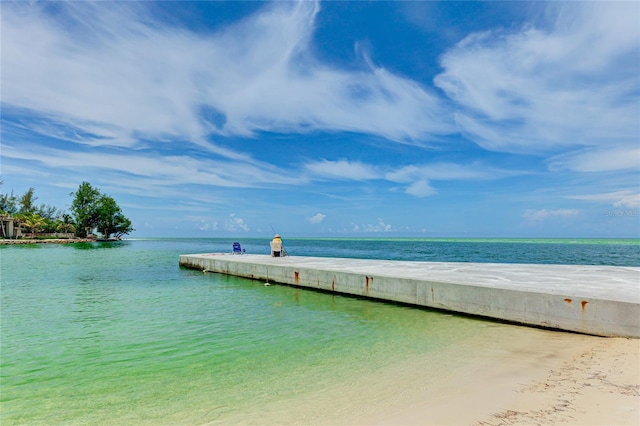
(91, 211)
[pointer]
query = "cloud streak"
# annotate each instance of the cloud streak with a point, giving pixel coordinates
(598, 160)
(99, 73)
(624, 198)
(417, 177)
(168, 169)
(342, 170)
(545, 214)
(571, 83)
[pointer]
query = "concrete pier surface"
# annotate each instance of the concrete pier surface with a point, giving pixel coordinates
(598, 300)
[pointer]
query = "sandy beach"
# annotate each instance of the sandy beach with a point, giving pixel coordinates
(598, 386)
(596, 381)
(538, 377)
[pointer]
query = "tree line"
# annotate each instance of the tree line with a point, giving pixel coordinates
(90, 211)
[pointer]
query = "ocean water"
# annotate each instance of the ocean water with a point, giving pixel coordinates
(118, 333)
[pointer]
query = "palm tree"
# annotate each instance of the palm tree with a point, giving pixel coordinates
(66, 227)
(33, 221)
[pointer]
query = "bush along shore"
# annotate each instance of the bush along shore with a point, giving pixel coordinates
(91, 211)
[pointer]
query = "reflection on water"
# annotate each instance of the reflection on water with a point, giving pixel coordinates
(100, 245)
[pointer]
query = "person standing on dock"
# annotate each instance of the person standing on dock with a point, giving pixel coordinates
(277, 249)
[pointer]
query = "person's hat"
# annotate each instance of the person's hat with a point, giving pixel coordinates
(277, 236)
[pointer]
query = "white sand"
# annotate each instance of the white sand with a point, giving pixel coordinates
(520, 376)
(595, 381)
(599, 386)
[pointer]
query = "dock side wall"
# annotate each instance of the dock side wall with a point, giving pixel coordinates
(590, 316)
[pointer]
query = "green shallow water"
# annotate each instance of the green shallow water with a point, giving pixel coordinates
(119, 334)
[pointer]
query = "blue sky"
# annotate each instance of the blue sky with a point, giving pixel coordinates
(335, 119)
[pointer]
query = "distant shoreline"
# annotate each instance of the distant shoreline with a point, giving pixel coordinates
(7, 242)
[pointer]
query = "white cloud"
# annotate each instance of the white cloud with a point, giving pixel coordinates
(598, 160)
(95, 69)
(235, 224)
(445, 171)
(316, 219)
(156, 170)
(544, 214)
(420, 188)
(378, 227)
(631, 201)
(418, 177)
(204, 225)
(624, 198)
(572, 83)
(342, 170)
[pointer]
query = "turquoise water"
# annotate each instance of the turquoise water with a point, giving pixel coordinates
(117, 333)
(620, 252)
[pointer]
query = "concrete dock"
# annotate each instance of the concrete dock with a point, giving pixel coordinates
(598, 300)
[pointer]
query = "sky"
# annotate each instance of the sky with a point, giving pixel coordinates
(329, 119)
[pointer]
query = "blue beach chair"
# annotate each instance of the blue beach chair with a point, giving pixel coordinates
(237, 249)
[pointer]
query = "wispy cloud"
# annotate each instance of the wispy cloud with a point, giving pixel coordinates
(570, 83)
(544, 214)
(167, 170)
(598, 160)
(417, 177)
(446, 171)
(625, 198)
(97, 73)
(342, 170)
